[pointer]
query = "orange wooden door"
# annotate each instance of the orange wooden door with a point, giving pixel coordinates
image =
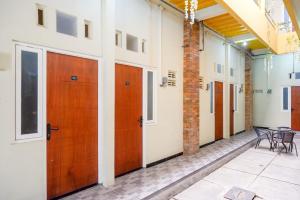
(231, 107)
(128, 112)
(72, 111)
(218, 110)
(296, 108)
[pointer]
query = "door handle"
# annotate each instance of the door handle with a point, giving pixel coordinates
(140, 120)
(49, 129)
(292, 109)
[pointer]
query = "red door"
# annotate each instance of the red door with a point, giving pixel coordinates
(231, 108)
(128, 119)
(218, 110)
(296, 108)
(72, 114)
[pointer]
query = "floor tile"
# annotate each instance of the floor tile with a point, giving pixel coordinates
(286, 174)
(203, 190)
(270, 189)
(228, 178)
(142, 183)
(287, 160)
(257, 156)
(245, 165)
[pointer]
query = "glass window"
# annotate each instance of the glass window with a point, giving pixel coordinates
(66, 24)
(150, 96)
(236, 92)
(297, 75)
(28, 92)
(132, 43)
(219, 68)
(285, 98)
(211, 97)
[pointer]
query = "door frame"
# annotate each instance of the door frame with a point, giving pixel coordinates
(45, 50)
(144, 99)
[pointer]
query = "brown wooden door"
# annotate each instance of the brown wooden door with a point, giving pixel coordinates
(231, 108)
(72, 107)
(296, 108)
(218, 110)
(128, 112)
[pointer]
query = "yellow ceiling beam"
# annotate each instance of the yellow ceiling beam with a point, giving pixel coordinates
(293, 12)
(201, 3)
(247, 13)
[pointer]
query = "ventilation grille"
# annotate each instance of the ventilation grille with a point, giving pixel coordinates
(171, 78)
(258, 91)
(201, 82)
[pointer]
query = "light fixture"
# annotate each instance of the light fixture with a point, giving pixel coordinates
(190, 7)
(245, 43)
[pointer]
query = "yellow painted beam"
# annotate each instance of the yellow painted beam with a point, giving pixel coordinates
(247, 13)
(293, 14)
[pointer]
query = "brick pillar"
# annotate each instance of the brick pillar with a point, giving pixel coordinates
(191, 89)
(248, 94)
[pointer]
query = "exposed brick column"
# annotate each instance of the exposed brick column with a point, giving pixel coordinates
(191, 89)
(248, 94)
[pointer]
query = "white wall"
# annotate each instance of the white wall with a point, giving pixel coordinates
(163, 31)
(23, 165)
(217, 52)
(267, 107)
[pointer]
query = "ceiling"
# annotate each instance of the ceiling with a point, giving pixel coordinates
(224, 24)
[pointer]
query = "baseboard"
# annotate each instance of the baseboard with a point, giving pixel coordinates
(163, 160)
(243, 131)
(204, 145)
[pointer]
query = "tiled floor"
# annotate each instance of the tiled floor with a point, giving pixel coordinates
(144, 182)
(270, 175)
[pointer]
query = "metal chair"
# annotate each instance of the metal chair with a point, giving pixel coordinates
(285, 137)
(262, 134)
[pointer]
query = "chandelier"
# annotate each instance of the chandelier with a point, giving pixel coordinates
(190, 7)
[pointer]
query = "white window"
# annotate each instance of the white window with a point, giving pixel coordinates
(132, 43)
(28, 93)
(66, 24)
(285, 99)
(151, 97)
(236, 97)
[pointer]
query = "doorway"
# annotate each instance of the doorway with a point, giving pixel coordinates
(128, 118)
(218, 110)
(231, 108)
(72, 124)
(295, 108)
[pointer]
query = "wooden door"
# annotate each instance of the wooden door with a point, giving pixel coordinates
(218, 110)
(296, 108)
(128, 119)
(72, 112)
(231, 108)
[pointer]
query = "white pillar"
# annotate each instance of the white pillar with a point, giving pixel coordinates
(108, 52)
(227, 92)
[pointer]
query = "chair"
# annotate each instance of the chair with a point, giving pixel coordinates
(287, 137)
(262, 134)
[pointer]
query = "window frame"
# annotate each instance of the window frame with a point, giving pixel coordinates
(18, 94)
(289, 99)
(154, 95)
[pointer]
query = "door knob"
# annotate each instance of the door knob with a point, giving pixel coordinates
(49, 129)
